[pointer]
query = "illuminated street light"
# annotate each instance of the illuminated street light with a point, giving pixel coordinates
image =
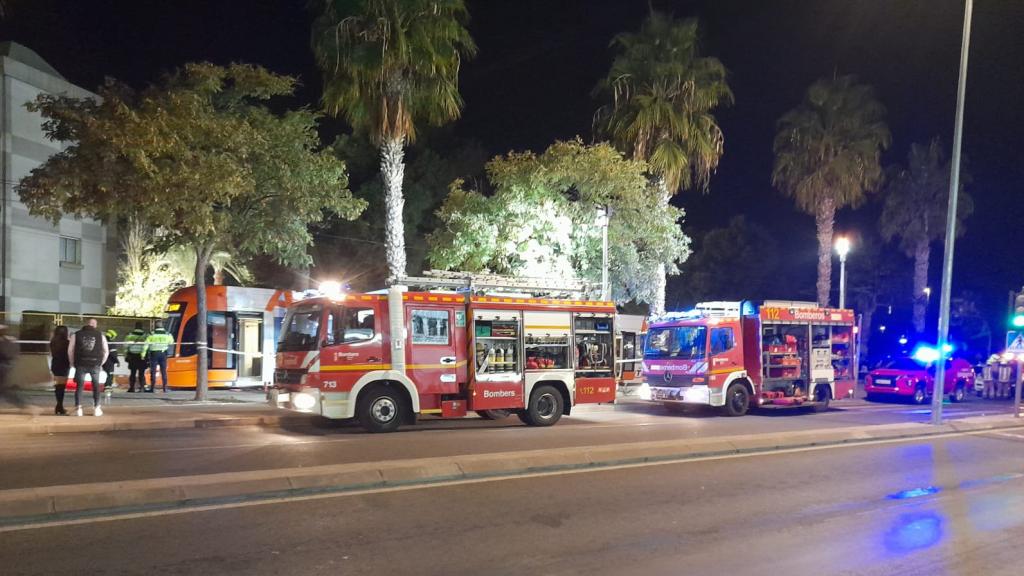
(842, 248)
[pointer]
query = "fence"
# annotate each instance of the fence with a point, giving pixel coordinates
(33, 331)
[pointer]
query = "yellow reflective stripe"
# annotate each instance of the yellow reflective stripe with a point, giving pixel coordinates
(355, 367)
(431, 411)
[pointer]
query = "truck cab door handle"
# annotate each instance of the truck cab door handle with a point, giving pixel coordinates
(448, 360)
(373, 359)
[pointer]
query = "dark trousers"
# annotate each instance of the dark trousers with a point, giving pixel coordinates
(157, 360)
(59, 386)
(94, 373)
(136, 366)
(7, 391)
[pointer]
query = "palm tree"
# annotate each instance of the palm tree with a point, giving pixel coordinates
(916, 205)
(662, 95)
(827, 157)
(387, 65)
(183, 260)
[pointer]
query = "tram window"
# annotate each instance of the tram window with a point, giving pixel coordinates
(188, 338)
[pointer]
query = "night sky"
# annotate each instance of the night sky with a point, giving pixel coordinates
(539, 60)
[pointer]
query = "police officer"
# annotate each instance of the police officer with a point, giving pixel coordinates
(87, 351)
(157, 344)
(136, 357)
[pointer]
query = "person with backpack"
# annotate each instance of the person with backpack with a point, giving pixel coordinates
(59, 366)
(87, 351)
(136, 357)
(157, 345)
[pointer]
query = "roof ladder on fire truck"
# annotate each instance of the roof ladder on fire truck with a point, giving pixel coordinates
(474, 283)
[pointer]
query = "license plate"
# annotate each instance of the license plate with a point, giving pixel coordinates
(883, 382)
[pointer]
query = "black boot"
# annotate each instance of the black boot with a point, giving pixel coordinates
(59, 392)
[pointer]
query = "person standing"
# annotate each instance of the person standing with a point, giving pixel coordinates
(112, 360)
(157, 344)
(136, 357)
(87, 351)
(8, 355)
(59, 366)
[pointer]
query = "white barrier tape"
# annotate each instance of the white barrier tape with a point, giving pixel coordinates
(630, 361)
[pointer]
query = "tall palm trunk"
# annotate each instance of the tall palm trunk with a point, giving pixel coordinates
(203, 254)
(392, 172)
(660, 279)
(922, 252)
(825, 220)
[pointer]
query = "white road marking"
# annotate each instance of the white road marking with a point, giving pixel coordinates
(389, 489)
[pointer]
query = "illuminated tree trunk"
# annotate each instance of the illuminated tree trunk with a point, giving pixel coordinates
(660, 277)
(824, 219)
(392, 172)
(922, 252)
(202, 357)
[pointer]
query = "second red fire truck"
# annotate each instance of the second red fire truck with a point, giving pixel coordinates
(736, 356)
(458, 346)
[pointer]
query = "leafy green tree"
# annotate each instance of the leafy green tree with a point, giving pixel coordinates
(663, 93)
(199, 157)
(827, 157)
(539, 220)
(916, 205)
(387, 65)
(145, 278)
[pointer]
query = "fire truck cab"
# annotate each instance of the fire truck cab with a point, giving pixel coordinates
(735, 356)
(385, 358)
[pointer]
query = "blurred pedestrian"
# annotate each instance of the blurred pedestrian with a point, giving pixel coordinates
(59, 366)
(157, 344)
(135, 355)
(112, 360)
(87, 351)
(8, 356)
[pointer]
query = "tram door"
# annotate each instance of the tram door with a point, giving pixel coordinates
(250, 338)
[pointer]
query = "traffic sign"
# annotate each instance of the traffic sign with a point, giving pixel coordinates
(1014, 342)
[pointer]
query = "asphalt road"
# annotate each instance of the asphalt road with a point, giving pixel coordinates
(950, 506)
(40, 460)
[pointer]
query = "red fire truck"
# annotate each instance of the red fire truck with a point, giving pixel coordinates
(465, 343)
(736, 356)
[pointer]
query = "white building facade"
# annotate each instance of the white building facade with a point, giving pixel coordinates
(69, 268)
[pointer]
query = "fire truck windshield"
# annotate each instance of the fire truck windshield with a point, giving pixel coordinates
(676, 343)
(301, 329)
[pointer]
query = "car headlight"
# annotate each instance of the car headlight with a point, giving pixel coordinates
(303, 401)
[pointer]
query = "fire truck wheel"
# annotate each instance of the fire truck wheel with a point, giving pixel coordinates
(545, 407)
(737, 400)
(494, 414)
(380, 410)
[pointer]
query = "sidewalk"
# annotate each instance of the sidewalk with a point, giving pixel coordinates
(34, 505)
(144, 411)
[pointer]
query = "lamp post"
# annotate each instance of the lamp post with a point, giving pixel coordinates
(954, 191)
(601, 220)
(842, 248)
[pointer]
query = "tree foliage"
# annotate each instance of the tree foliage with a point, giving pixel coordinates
(662, 94)
(539, 220)
(827, 157)
(197, 156)
(389, 64)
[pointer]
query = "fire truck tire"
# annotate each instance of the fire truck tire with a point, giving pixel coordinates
(545, 407)
(494, 414)
(380, 409)
(737, 400)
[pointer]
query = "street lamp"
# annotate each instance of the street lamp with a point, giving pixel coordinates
(842, 248)
(601, 220)
(954, 191)
(928, 293)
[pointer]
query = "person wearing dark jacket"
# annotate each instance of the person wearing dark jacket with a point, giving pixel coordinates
(135, 355)
(87, 351)
(59, 366)
(112, 359)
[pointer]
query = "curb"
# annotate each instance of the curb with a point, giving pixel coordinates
(89, 424)
(52, 503)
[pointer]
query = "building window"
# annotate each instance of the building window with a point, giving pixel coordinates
(70, 250)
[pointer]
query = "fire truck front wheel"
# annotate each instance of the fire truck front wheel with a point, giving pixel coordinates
(737, 400)
(545, 407)
(380, 409)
